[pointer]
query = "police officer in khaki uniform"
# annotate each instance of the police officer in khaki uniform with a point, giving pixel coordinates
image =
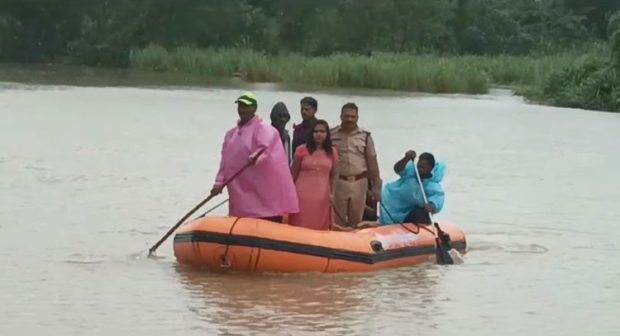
(357, 165)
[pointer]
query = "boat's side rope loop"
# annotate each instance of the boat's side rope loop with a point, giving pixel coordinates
(224, 262)
(408, 229)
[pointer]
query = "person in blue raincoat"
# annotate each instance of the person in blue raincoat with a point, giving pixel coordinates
(402, 200)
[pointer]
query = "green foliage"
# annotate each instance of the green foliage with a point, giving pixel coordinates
(613, 32)
(399, 71)
(103, 32)
(423, 45)
(506, 26)
(589, 83)
(592, 81)
(9, 30)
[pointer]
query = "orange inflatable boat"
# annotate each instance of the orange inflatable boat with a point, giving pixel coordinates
(255, 245)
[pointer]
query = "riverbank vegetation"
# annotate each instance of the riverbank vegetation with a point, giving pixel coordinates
(425, 73)
(562, 52)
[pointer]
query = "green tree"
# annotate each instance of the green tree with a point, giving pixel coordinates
(613, 32)
(104, 32)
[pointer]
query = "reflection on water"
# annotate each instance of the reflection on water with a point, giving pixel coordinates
(333, 303)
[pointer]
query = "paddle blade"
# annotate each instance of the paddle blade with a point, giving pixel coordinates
(456, 257)
(446, 254)
(442, 255)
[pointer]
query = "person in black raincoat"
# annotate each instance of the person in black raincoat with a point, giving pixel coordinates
(279, 118)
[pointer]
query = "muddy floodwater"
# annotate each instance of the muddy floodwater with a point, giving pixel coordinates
(90, 177)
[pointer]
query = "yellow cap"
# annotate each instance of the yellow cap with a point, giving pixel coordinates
(247, 98)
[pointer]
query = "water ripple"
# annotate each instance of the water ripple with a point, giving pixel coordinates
(506, 247)
(35, 167)
(51, 179)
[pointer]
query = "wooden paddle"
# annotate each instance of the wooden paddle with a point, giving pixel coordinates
(198, 206)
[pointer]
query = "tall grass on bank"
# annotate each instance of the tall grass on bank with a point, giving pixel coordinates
(381, 71)
(543, 78)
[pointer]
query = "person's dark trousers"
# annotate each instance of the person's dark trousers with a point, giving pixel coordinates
(418, 216)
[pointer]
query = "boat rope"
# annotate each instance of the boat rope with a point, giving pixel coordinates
(224, 262)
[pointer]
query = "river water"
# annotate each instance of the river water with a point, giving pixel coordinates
(90, 177)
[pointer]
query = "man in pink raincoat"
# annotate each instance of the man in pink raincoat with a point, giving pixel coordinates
(265, 189)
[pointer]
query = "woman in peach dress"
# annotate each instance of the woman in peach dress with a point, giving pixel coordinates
(314, 170)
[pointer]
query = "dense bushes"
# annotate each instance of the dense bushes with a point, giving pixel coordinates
(103, 32)
(591, 82)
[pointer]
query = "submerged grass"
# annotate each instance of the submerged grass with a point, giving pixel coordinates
(421, 73)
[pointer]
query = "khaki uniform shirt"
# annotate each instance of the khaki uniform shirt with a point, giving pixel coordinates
(353, 150)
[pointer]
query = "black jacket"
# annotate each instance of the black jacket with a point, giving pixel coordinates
(279, 112)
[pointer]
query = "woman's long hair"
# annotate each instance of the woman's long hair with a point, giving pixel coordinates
(327, 143)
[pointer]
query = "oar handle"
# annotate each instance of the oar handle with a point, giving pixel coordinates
(417, 174)
(191, 212)
(152, 249)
